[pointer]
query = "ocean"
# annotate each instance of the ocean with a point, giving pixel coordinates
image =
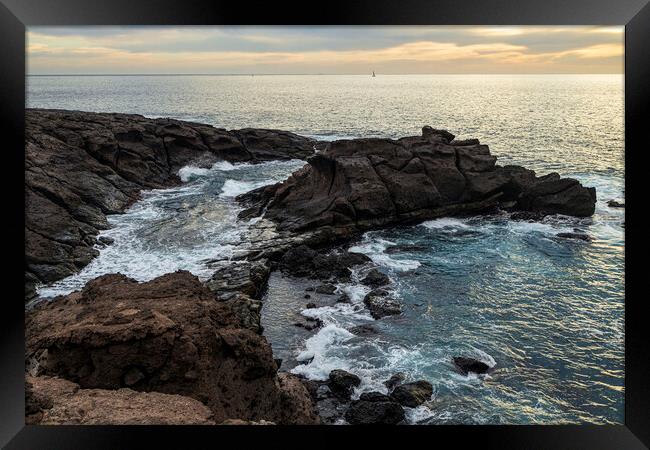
(546, 312)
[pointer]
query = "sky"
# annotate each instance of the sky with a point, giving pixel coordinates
(324, 49)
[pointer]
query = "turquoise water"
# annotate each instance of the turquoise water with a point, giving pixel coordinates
(546, 312)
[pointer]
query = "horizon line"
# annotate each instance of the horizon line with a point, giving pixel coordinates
(302, 74)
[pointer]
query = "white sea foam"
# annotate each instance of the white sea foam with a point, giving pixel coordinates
(417, 415)
(319, 349)
(374, 248)
(233, 188)
(445, 222)
(189, 173)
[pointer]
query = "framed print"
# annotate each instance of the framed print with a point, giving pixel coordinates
(247, 219)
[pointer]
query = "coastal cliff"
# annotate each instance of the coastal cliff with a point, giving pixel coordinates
(81, 166)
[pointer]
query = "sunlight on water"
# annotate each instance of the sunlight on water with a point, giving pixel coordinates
(547, 311)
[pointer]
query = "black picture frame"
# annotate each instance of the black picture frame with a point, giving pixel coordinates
(15, 15)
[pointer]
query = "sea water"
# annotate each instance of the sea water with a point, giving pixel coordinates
(546, 313)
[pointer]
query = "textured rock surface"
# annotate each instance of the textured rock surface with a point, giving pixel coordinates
(366, 412)
(467, 365)
(53, 401)
(360, 184)
(380, 304)
(80, 166)
(169, 335)
(412, 394)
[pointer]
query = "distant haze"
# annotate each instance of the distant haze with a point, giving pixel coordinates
(324, 50)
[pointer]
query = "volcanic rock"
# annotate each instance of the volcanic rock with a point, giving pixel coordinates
(375, 279)
(615, 204)
(394, 381)
(170, 335)
(380, 304)
(53, 401)
(412, 394)
(303, 261)
(466, 365)
(342, 383)
(81, 166)
(364, 412)
(355, 185)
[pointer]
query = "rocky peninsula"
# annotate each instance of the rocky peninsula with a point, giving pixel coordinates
(187, 351)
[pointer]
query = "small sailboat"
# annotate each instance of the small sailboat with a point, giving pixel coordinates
(373, 74)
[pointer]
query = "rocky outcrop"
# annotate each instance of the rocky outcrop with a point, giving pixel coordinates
(374, 409)
(412, 394)
(81, 166)
(380, 304)
(53, 401)
(170, 335)
(356, 185)
(303, 261)
(466, 365)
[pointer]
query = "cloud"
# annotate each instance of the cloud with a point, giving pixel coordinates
(329, 49)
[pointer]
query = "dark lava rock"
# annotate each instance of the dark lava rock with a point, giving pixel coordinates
(429, 132)
(615, 204)
(374, 397)
(311, 305)
(465, 142)
(412, 394)
(168, 335)
(105, 240)
(526, 216)
(580, 236)
(466, 365)
(310, 289)
(375, 278)
(327, 289)
(81, 166)
(342, 383)
(345, 298)
(359, 184)
(303, 261)
(364, 330)
(330, 409)
(307, 296)
(364, 412)
(380, 304)
(395, 380)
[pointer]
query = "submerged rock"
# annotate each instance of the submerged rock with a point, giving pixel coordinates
(467, 365)
(366, 412)
(615, 204)
(168, 335)
(405, 248)
(364, 330)
(412, 394)
(375, 278)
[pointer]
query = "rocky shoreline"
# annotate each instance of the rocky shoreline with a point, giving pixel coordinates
(188, 351)
(81, 166)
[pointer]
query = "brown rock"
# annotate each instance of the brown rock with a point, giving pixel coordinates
(53, 401)
(169, 335)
